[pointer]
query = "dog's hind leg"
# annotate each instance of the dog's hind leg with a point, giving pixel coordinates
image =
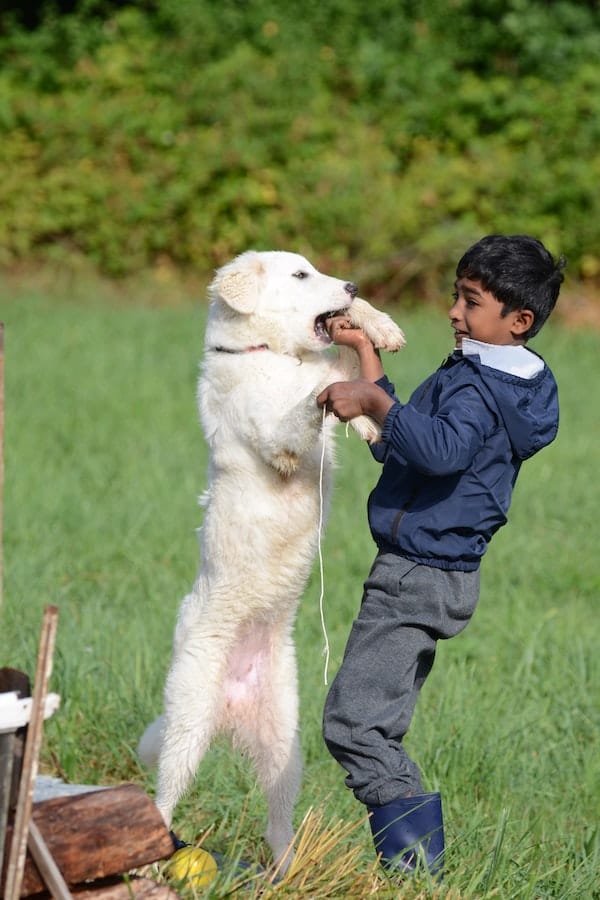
(150, 742)
(192, 711)
(280, 777)
(271, 738)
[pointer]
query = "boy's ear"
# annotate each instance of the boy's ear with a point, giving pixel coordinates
(522, 322)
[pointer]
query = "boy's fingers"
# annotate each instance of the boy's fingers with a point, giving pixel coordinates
(322, 398)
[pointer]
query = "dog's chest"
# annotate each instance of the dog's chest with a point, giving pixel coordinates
(271, 379)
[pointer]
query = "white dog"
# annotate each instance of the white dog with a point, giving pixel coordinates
(267, 356)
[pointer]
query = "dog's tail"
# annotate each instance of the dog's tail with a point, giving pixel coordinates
(148, 748)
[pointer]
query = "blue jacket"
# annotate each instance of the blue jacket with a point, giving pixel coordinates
(452, 454)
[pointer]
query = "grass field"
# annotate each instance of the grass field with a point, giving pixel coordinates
(104, 460)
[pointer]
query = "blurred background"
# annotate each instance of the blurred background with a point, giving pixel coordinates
(378, 138)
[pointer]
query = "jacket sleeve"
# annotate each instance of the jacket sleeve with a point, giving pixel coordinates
(379, 450)
(446, 442)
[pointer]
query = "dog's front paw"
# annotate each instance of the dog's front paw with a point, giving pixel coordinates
(366, 428)
(377, 325)
(388, 336)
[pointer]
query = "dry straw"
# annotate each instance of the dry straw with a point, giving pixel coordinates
(330, 862)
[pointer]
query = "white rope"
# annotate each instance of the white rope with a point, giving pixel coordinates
(323, 626)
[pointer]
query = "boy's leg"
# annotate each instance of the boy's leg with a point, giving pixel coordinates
(405, 609)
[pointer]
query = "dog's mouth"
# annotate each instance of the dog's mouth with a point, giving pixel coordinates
(321, 323)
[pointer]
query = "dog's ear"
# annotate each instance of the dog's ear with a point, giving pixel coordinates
(237, 283)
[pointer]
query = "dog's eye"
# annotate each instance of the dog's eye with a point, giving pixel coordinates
(300, 274)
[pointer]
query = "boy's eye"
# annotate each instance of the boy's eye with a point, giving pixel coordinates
(455, 296)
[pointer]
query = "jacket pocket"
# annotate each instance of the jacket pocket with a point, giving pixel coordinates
(396, 524)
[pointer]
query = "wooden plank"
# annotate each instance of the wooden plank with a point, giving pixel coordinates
(18, 847)
(15, 711)
(143, 888)
(97, 834)
(7, 757)
(11, 750)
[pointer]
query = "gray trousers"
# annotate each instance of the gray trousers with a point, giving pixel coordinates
(406, 608)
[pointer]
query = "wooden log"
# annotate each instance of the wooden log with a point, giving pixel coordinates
(96, 834)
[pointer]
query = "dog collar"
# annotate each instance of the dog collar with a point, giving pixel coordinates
(241, 350)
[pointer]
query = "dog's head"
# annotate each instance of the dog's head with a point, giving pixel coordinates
(274, 298)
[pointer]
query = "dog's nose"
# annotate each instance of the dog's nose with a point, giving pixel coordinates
(351, 289)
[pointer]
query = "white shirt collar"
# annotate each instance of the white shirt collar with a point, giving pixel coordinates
(514, 359)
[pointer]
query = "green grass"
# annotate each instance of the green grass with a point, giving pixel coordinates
(104, 460)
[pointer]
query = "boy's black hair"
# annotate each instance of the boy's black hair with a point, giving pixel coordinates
(518, 271)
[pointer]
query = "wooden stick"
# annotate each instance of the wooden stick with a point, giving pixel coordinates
(1, 446)
(18, 850)
(48, 869)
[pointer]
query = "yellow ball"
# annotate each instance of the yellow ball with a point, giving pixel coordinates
(193, 864)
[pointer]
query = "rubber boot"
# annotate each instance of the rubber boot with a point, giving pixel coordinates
(409, 831)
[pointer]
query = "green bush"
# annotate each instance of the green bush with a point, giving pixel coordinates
(382, 136)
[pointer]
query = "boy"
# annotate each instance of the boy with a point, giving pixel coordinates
(450, 456)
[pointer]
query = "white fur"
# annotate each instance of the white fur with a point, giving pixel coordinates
(234, 666)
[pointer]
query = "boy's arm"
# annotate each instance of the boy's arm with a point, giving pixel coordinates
(437, 445)
(348, 399)
(342, 332)
(446, 442)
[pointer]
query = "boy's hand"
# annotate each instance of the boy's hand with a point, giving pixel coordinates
(349, 399)
(342, 331)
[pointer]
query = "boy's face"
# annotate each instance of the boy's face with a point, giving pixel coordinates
(477, 314)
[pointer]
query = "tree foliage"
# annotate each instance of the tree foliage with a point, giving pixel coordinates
(382, 136)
